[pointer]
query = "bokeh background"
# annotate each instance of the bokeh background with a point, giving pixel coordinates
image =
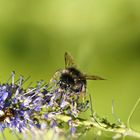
(103, 37)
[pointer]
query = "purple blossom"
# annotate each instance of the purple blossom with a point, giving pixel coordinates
(53, 123)
(72, 127)
(18, 107)
(4, 96)
(43, 126)
(25, 109)
(72, 130)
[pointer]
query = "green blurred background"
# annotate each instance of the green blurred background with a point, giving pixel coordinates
(103, 37)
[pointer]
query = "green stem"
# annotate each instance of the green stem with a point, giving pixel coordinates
(122, 130)
(132, 112)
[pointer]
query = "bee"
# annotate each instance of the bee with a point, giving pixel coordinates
(71, 78)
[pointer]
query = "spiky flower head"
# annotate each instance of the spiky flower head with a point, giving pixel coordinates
(18, 106)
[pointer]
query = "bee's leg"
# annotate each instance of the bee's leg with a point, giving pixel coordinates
(54, 79)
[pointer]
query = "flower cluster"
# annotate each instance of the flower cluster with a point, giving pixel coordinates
(37, 107)
(17, 106)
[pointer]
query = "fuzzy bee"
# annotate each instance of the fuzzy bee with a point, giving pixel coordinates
(71, 78)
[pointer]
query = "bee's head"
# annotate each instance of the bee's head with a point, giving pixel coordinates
(72, 79)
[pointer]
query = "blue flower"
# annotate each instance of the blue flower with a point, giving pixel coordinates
(37, 107)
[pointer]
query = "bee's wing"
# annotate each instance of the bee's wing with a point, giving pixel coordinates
(69, 61)
(93, 77)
